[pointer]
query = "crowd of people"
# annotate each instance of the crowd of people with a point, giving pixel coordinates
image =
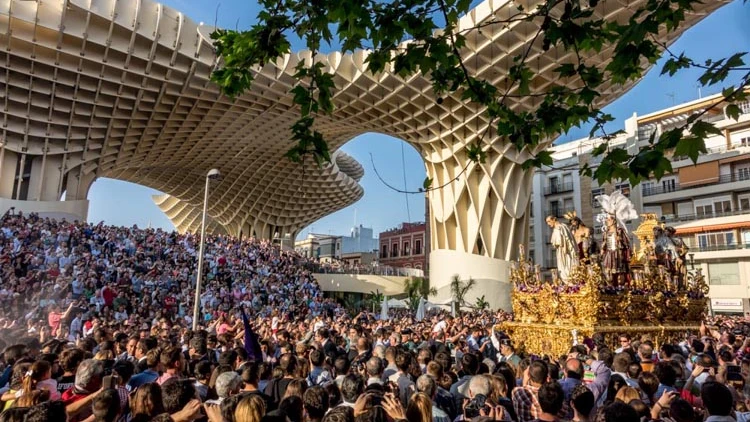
(95, 325)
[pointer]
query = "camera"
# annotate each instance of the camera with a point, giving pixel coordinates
(478, 403)
(734, 373)
(110, 381)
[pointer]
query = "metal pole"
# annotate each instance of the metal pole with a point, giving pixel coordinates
(199, 278)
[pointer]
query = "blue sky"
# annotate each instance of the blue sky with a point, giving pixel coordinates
(723, 33)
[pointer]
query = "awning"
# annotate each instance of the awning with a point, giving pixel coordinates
(713, 228)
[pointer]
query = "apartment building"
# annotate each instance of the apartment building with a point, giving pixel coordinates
(405, 246)
(707, 202)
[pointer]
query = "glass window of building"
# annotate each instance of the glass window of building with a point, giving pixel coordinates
(567, 181)
(568, 205)
(553, 184)
(418, 247)
(668, 185)
(715, 241)
(723, 206)
(744, 202)
(648, 188)
(624, 188)
(407, 249)
(724, 274)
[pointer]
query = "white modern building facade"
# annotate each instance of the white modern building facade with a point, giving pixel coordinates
(708, 203)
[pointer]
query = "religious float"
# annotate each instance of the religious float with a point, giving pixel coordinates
(652, 292)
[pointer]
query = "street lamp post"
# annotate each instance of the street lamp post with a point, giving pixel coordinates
(212, 174)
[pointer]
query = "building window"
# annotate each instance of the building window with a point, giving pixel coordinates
(704, 210)
(594, 193)
(624, 188)
(394, 250)
(568, 205)
(745, 142)
(715, 241)
(554, 208)
(724, 274)
(648, 188)
(743, 173)
(407, 249)
(723, 207)
(554, 184)
(744, 203)
(668, 185)
(384, 251)
(418, 247)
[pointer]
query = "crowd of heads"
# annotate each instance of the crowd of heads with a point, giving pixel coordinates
(96, 326)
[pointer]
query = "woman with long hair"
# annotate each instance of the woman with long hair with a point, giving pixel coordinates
(146, 401)
(251, 409)
(16, 384)
(37, 385)
(296, 387)
(419, 409)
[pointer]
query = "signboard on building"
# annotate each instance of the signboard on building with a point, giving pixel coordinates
(726, 305)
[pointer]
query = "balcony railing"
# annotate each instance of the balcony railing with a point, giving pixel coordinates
(723, 247)
(557, 212)
(671, 218)
(558, 188)
(724, 178)
(340, 268)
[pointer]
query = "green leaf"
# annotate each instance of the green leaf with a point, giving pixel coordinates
(733, 111)
(673, 65)
(691, 147)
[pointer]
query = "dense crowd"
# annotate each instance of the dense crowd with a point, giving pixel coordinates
(95, 325)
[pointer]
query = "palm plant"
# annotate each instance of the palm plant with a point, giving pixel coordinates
(418, 287)
(481, 303)
(376, 299)
(459, 289)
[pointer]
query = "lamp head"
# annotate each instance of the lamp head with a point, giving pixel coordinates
(213, 174)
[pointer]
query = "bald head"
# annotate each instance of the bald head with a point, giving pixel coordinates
(363, 345)
(374, 366)
(573, 369)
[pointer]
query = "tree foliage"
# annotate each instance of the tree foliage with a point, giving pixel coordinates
(459, 289)
(436, 50)
(375, 299)
(417, 288)
(482, 303)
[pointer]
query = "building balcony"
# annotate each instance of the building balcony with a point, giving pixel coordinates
(719, 247)
(558, 188)
(671, 218)
(557, 212)
(725, 179)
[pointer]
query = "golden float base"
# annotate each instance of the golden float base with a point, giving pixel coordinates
(555, 340)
